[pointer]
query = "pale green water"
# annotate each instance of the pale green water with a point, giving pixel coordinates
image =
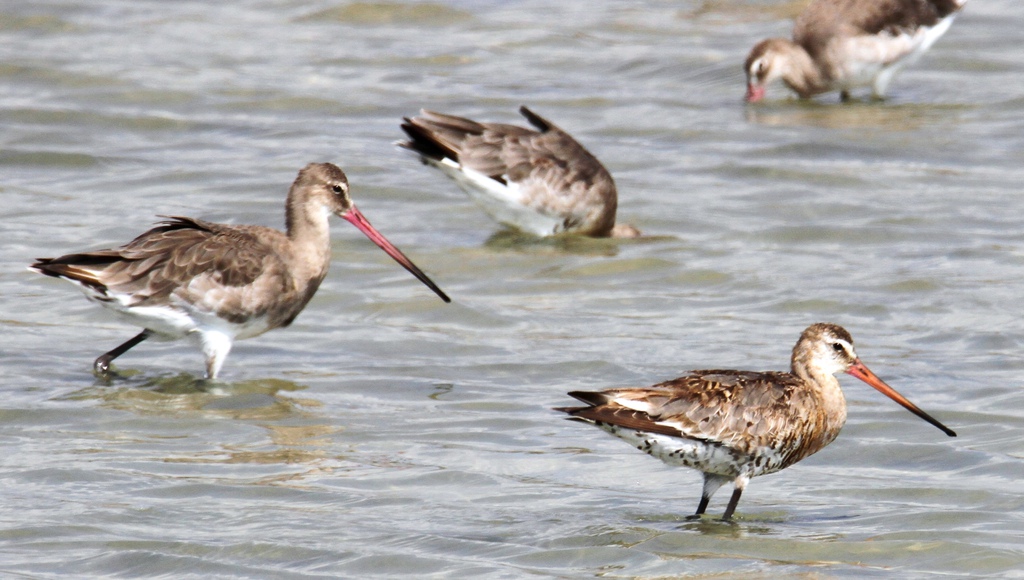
(386, 434)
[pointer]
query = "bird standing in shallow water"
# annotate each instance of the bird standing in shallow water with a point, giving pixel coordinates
(216, 283)
(542, 182)
(840, 45)
(734, 425)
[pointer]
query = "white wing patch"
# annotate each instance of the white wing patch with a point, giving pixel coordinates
(641, 405)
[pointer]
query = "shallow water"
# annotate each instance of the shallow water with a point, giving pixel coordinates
(387, 434)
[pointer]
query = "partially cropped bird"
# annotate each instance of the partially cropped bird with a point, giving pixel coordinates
(735, 425)
(215, 283)
(841, 45)
(539, 181)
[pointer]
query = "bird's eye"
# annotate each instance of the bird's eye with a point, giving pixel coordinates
(337, 188)
(837, 347)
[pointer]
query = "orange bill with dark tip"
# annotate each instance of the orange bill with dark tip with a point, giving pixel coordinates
(863, 373)
(355, 217)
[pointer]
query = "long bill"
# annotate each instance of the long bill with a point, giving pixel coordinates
(355, 217)
(863, 373)
(754, 92)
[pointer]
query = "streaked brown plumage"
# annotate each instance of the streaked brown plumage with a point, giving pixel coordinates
(216, 283)
(734, 425)
(540, 181)
(845, 44)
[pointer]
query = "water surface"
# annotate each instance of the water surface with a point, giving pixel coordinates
(386, 434)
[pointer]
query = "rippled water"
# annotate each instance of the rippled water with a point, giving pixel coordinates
(388, 434)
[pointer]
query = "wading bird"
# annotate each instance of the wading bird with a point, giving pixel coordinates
(840, 45)
(215, 283)
(539, 181)
(735, 425)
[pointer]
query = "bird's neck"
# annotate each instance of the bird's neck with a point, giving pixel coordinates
(830, 396)
(801, 73)
(309, 231)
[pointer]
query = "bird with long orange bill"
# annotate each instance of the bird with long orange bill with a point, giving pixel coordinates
(734, 425)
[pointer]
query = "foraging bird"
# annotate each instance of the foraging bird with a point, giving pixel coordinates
(215, 283)
(735, 425)
(542, 182)
(840, 45)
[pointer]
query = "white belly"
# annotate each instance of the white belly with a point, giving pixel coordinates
(874, 60)
(503, 202)
(171, 322)
(704, 456)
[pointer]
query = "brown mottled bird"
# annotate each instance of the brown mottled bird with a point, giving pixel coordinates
(215, 283)
(734, 425)
(840, 45)
(539, 181)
